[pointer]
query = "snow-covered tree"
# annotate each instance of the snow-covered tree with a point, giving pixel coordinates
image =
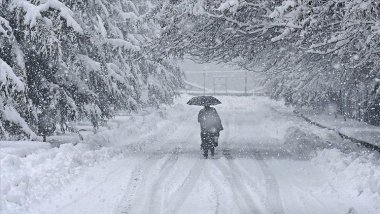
(83, 59)
(15, 110)
(309, 52)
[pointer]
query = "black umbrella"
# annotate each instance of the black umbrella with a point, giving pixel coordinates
(203, 101)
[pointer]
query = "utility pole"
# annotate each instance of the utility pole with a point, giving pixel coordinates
(214, 84)
(204, 83)
(245, 83)
(226, 85)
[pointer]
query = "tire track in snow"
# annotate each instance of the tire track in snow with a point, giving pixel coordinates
(251, 182)
(180, 196)
(273, 198)
(244, 200)
(155, 199)
(218, 189)
(82, 195)
(140, 173)
(154, 204)
(134, 183)
(314, 202)
(217, 198)
(139, 176)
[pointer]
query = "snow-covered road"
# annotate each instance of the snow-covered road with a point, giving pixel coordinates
(266, 162)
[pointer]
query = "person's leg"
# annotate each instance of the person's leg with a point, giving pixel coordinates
(210, 143)
(215, 139)
(205, 152)
(213, 143)
(212, 150)
(204, 146)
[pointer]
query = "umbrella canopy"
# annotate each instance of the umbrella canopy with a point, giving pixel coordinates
(203, 101)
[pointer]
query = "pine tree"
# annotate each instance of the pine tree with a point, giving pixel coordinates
(86, 60)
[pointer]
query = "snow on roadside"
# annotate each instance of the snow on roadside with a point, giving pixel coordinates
(356, 173)
(350, 127)
(30, 173)
(306, 140)
(142, 132)
(26, 180)
(21, 148)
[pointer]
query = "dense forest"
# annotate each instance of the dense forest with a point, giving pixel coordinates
(67, 60)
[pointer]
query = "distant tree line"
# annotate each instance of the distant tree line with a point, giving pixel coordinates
(67, 60)
(308, 52)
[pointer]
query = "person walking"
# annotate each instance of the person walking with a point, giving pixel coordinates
(211, 126)
(210, 123)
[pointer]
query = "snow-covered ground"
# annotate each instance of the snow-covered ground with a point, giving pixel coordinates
(268, 161)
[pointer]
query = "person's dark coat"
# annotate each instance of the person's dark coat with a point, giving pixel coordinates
(209, 120)
(211, 125)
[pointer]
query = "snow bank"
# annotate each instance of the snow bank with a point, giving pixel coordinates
(21, 148)
(353, 128)
(27, 180)
(144, 130)
(305, 141)
(355, 173)
(32, 171)
(302, 142)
